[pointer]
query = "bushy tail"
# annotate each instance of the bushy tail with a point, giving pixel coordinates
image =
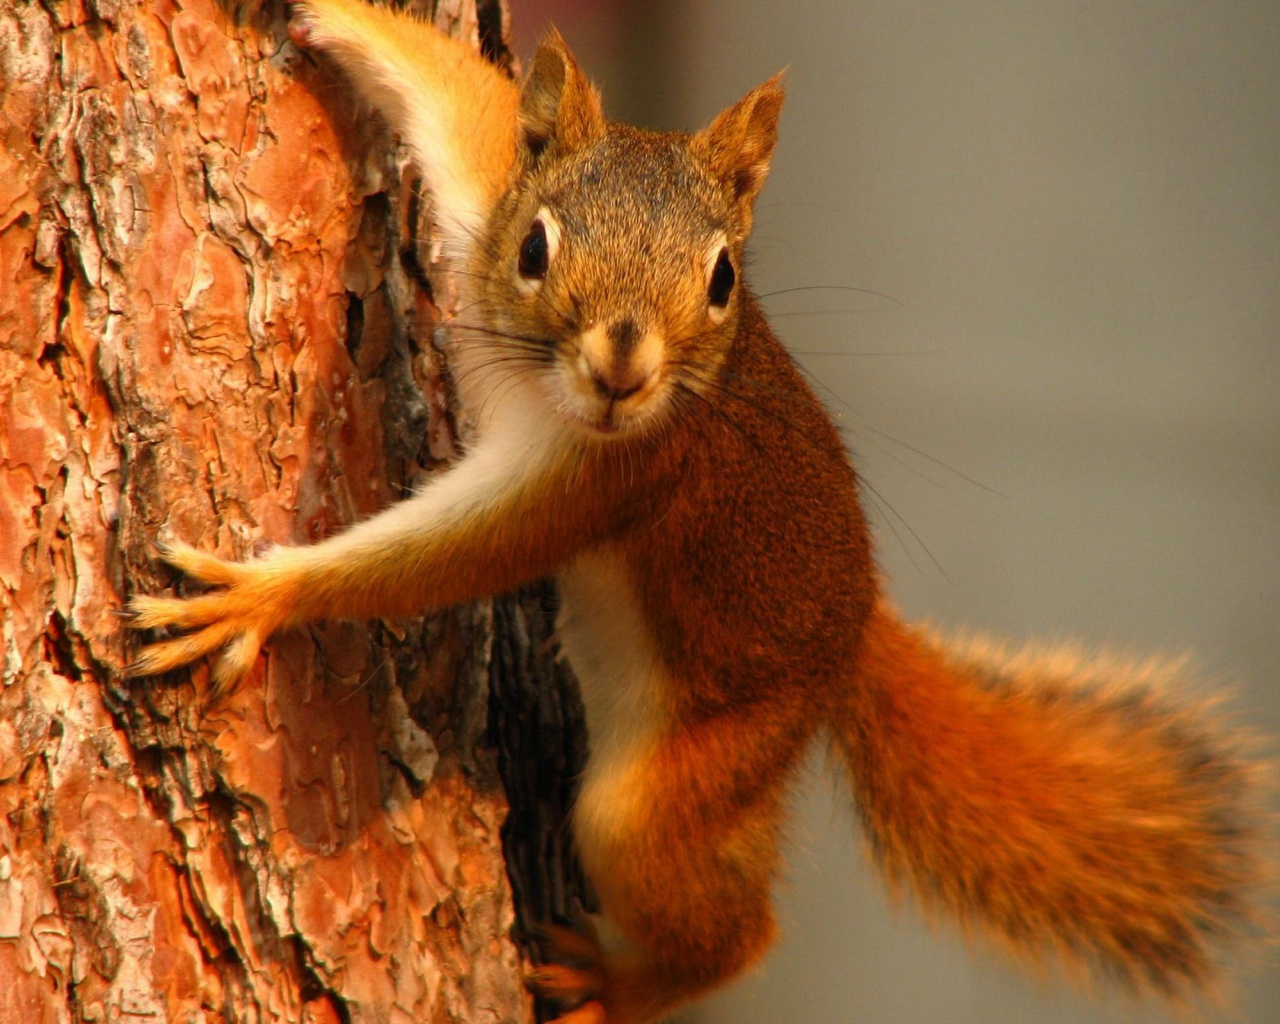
(1054, 803)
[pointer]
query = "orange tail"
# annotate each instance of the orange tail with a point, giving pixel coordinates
(1053, 803)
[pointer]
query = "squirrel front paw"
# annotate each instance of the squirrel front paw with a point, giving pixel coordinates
(249, 602)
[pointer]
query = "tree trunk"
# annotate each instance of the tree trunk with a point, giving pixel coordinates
(216, 325)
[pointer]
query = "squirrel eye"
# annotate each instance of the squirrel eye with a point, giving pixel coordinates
(535, 254)
(722, 279)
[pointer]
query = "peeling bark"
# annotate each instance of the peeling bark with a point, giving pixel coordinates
(215, 325)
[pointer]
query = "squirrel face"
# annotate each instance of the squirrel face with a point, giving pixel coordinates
(609, 273)
(615, 267)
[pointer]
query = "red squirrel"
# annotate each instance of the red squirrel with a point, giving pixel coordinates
(643, 437)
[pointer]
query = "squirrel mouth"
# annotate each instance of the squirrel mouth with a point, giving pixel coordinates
(603, 416)
(606, 423)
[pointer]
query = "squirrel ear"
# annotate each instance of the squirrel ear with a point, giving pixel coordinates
(558, 105)
(738, 144)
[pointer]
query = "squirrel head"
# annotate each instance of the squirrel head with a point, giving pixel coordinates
(612, 268)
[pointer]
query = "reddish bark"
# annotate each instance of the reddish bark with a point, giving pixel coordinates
(214, 325)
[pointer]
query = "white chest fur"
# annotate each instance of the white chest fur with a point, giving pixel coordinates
(610, 647)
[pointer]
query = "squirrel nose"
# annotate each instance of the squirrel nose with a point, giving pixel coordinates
(620, 360)
(615, 385)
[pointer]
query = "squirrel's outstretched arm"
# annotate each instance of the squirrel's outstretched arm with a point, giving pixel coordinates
(456, 111)
(498, 519)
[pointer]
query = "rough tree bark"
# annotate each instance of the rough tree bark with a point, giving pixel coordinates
(216, 323)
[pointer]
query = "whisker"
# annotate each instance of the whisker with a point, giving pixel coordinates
(887, 515)
(568, 317)
(719, 385)
(710, 407)
(863, 425)
(828, 288)
(722, 382)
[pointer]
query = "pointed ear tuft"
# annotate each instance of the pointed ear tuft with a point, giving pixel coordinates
(738, 144)
(559, 107)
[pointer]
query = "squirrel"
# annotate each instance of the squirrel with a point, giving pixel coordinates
(643, 437)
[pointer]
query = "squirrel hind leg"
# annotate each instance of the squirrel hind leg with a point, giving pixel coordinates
(685, 875)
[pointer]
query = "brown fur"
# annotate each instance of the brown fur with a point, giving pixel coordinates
(1050, 806)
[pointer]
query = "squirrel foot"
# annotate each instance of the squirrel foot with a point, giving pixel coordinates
(574, 975)
(587, 1013)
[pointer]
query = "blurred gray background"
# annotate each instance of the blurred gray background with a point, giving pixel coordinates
(1062, 382)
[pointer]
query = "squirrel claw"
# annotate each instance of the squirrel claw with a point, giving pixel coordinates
(562, 984)
(574, 976)
(202, 566)
(229, 622)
